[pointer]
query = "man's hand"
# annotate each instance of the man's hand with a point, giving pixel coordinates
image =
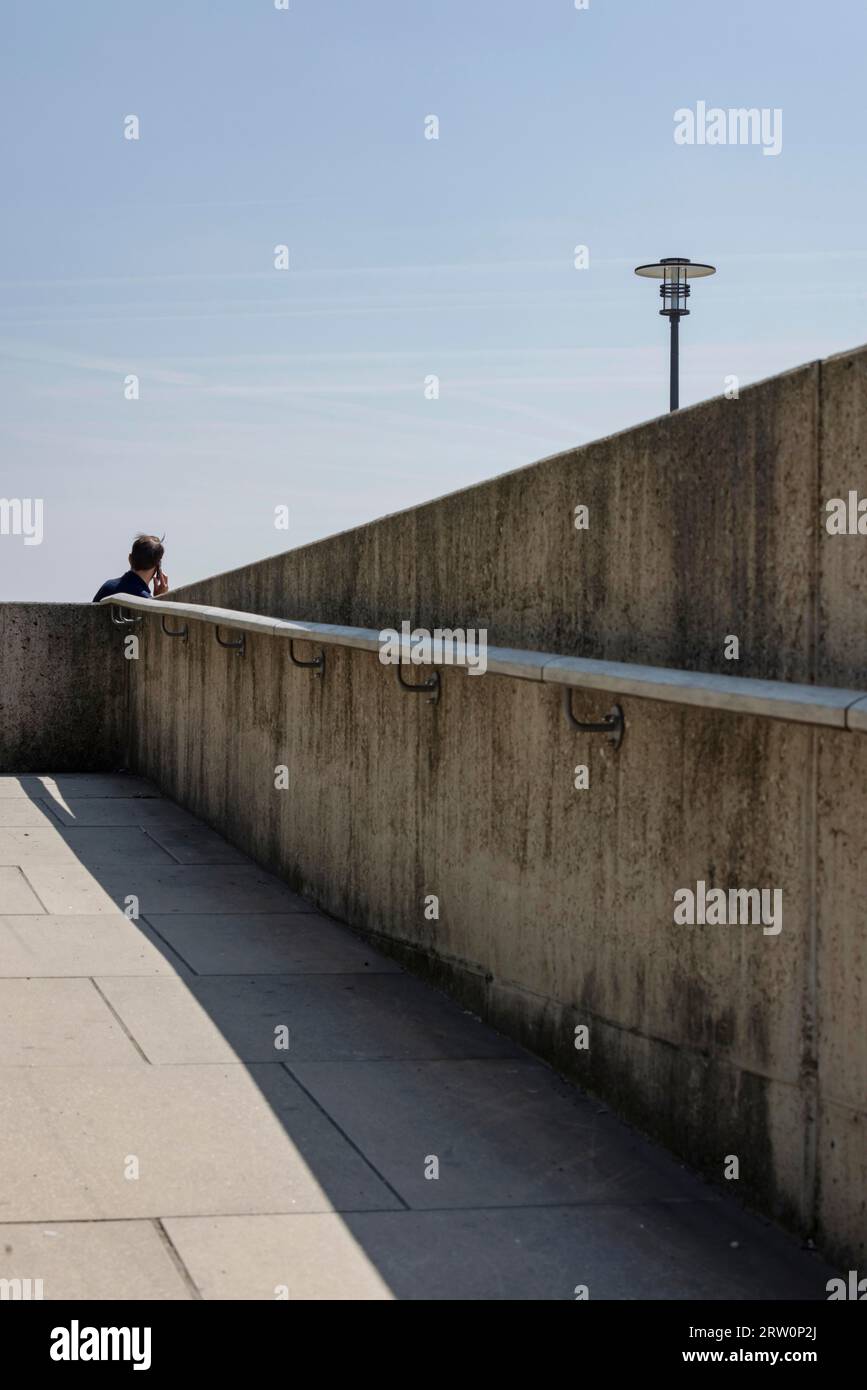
(161, 583)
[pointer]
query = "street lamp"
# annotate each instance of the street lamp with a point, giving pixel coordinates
(675, 272)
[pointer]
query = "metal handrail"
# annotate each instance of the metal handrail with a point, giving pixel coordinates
(827, 706)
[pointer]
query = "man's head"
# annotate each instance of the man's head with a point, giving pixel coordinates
(146, 556)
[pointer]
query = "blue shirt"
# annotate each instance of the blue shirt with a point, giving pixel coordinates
(128, 583)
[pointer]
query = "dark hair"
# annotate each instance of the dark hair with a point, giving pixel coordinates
(147, 553)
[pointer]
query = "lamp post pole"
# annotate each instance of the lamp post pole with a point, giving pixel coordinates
(674, 365)
(675, 273)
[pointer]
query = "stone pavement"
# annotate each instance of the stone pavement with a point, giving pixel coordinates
(157, 1141)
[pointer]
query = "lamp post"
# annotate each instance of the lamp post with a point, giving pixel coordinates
(675, 272)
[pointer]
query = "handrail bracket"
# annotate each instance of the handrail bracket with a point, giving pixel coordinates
(238, 646)
(430, 686)
(317, 664)
(613, 725)
(183, 632)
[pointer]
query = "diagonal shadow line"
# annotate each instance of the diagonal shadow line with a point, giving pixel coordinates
(417, 1245)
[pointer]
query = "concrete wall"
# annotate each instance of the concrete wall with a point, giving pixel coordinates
(556, 904)
(62, 690)
(701, 524)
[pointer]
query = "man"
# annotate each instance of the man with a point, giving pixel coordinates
(145, 564)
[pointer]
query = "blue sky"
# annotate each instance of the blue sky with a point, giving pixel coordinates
(408, 257)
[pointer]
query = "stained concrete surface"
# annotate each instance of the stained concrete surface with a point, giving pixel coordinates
(155, 1143)
(63, 699)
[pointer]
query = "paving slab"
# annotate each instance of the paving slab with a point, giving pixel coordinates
(259, 1168)
(271, 943)
(16, 894)
(62, 785)
(505, 1133)
(124, 847)
(652, 1250)
(209, 1140)
(25, 788)
(66, 888)
(60, 1023)
(95, 811)
(174, 888)
(94, 1260)
(197, 844)
(267, 1257)
(34, 945)
(275, 1018)
(21, 811)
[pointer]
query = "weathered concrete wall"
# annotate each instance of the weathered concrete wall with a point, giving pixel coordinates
(62, 690)
(556, 905)
(701, 524)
